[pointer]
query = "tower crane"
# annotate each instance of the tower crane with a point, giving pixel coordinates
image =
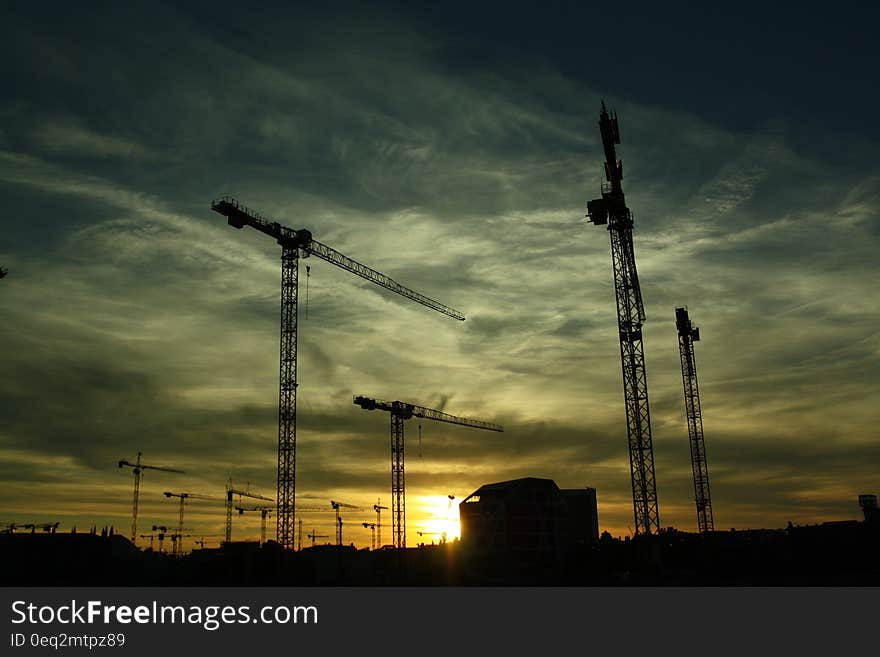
(687, 335)
(178, 545)
(372, 527)
(314, 536)
(377, 507)
(162, 530)
(149, 536)
(400, 412)
(137, 469)
(336, 506)
(611, 210)
(265, 512)
(295, 244)
(299, 523)
(230, 491)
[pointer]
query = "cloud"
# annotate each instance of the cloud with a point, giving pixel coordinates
(135, 319)
(64, 138)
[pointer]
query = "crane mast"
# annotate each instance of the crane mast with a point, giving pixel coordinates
(687, 335)
(377, 507)
(372, 527)
(296, 243)
(611, 209)
(400, 412)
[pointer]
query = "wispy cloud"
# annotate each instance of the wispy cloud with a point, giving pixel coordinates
(138, 320)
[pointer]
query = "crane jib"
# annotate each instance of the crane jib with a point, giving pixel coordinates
(406, 411)
(240, 216)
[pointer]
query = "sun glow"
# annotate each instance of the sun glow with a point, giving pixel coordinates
(438, 516)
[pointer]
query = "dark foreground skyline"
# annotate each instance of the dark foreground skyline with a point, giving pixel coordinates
(456, 155)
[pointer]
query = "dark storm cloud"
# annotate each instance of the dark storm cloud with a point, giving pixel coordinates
(136, 319)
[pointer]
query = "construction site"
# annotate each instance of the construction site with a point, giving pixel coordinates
(528, 530)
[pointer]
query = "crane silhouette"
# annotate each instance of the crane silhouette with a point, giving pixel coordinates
(230, 492)
(687, 335)
(178, 545)
(295, 244)
(400, 412)
(137, 469)
(162, 531)
(611, 210)
(336, 506)
(377, 507)
(372, 527)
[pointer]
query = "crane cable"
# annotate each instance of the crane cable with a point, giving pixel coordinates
(308, 276)
(420, 441)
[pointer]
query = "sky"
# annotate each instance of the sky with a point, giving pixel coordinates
(454, 149)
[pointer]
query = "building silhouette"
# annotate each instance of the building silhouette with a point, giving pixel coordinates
(530, 517)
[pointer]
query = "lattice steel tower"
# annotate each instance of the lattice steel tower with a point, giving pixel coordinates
(611, 210)
(687, 335)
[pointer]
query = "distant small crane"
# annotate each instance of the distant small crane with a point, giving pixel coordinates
(161, 535)
(230, 491)
(314, 536)
(178, 545)
(265, 512)
(377, 507)
(336, 506)
(372, 527)
(149, 536)
(137, 468)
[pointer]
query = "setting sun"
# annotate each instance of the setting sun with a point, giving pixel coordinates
(435, 516)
